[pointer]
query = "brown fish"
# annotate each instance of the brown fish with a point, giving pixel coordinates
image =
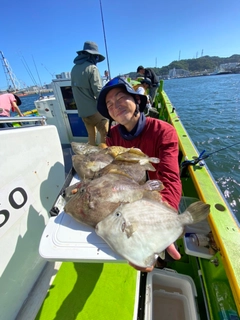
(87, 164)
(133, 156)
(133, 169)
(96, 199)
(84, 148)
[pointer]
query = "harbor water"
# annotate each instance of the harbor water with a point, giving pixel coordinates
(209, 108)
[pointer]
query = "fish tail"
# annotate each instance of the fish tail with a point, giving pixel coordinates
(154, 185)
(154, 160)
(196, 212)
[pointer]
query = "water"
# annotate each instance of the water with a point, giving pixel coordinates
(28, 102)
(209, 108)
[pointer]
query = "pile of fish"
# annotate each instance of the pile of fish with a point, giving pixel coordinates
(126, 210)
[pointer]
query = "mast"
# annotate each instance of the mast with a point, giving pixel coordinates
(12, 80)
(105, 39)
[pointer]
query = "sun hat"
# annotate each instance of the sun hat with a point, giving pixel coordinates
(91, 47)
(117, 82)
(18, 100)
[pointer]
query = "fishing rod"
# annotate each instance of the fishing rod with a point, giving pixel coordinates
(105, 39)
(202, 156)
(28, 70)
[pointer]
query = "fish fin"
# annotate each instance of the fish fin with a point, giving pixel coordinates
(154, 160)
(162, 255)
(153, 195)
(154, 185)
(102, 146)
(137, 151)
(197, 212)
(117, 171)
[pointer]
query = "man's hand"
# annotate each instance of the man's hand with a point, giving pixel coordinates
(173, 252)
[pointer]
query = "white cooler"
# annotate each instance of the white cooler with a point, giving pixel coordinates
(170, 296)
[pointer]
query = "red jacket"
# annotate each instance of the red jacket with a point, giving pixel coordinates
(158, 139)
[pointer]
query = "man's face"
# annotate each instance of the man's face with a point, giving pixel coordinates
(141, 71)
(121, 105)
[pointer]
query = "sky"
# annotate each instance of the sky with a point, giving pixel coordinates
(39, 39)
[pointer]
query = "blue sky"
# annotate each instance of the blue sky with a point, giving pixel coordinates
(43, 36)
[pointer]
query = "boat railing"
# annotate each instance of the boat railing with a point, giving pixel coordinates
(40, 120)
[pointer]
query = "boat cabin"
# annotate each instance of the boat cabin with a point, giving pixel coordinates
(61, 111)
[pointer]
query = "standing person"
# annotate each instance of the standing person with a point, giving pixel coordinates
(149, 73)
(106, 77)
(119, 102)
(9, 102)
(86, 85)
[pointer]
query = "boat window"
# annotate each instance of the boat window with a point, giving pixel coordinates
(68, 98)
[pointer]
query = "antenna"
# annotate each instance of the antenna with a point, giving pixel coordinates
(179, 57)
(12, 80)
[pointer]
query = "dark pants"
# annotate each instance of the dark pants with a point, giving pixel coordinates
(5, 125)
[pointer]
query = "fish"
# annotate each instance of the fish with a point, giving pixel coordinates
(134, 156)
(87, 164)
(97, 198)
(140, 231)
(84, 148)
(118, 150)
(70, 191)
(135, 170)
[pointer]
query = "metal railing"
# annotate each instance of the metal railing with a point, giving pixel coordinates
(36, 119)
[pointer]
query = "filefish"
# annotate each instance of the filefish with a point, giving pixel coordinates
(98, 198)
(133, 156)
(87, 164)
(141, 230)
(133, 169)
(84, 148)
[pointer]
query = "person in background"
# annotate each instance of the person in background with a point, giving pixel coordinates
(119, 102)
(9, 102)
(86, 85)
(106, 77)
(143, 88)
(149, 73)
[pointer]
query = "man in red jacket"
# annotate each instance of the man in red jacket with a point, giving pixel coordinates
(119, 102)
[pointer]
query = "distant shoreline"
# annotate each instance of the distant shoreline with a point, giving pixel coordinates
(23, 93)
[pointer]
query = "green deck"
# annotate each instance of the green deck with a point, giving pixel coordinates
(90, 291)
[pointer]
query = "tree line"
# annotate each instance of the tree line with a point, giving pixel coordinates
(194, 65)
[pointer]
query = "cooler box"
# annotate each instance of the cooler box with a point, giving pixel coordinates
(170, 296)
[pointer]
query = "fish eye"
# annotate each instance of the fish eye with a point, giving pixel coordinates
(81, 190)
